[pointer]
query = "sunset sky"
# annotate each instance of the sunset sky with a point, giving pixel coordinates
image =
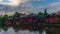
(29, 6)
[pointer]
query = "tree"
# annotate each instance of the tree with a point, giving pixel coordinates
(2, 20)
(0, 17)
(40, 14)
(17, 14)
(5, 17)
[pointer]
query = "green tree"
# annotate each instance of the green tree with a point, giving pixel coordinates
(2, 20)
(5, 17)
(0, 17)
(17, 14)
(40, 14)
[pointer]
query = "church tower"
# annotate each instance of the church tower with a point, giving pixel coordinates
(45, 13)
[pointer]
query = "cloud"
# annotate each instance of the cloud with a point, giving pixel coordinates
(13, 2)
(0, 0)
(24, 6)
(52, 7)
(55, 4)
(37, 0)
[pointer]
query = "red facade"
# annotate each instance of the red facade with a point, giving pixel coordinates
(52, 19)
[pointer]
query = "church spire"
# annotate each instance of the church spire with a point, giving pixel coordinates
(45, 12)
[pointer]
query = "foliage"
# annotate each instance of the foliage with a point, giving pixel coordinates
(16, 14)
(40, 14)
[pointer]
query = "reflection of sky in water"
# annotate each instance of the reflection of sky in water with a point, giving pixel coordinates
(11, 31)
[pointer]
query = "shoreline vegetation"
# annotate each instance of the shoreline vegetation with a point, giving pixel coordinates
(32, 22)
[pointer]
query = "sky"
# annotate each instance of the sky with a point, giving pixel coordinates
(29, 6)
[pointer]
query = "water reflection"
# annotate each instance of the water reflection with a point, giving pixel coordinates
(21, 30)
(11, 31)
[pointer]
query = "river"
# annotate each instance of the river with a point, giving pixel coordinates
(11, 31)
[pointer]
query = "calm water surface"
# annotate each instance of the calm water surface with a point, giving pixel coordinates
(11, 31)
